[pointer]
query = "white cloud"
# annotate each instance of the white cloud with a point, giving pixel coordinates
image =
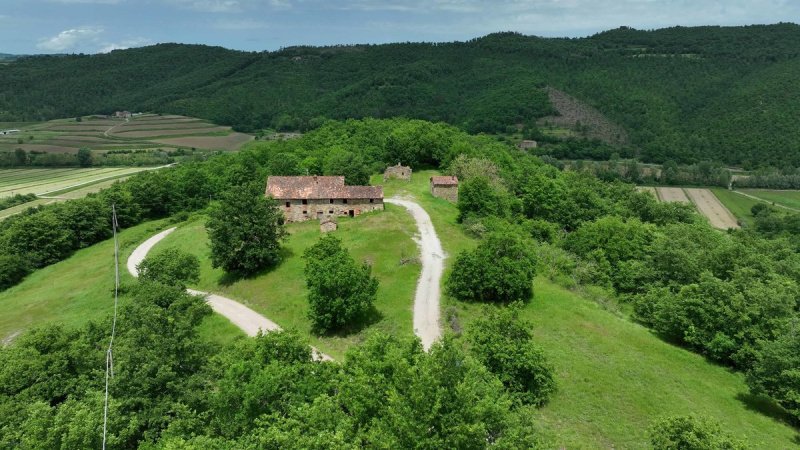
(239, 25)
(210, 6)
(125, 44)
(96, 2)
(69, 39)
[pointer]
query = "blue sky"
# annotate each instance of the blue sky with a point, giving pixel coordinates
(91, 26)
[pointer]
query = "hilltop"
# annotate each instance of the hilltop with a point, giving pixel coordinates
(687, 94)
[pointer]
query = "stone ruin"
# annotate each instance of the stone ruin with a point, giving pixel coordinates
(399, 172)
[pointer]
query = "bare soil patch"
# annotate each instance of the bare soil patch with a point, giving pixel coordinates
(172, 132)
(572, 111)
(672, 194)
(709, 205)
(232, 141)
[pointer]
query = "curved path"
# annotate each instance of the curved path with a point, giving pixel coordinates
(426, 299)
(243, 317)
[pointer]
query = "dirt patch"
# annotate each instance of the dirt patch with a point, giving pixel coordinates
(232, 141)
(649, 189)
(10, 338)
(672, 194)
(172, 132)
(573, 112)
(709, 205)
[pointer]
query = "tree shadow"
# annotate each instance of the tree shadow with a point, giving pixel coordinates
(229, 278)
(768, 407)
(370, 318)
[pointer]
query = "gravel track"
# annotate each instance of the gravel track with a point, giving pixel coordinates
(426, 299)
(240, 315)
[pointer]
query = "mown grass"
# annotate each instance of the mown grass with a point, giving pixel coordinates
(381, 238)
(737, 204)
(785, 198)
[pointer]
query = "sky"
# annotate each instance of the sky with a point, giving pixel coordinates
(96, 26)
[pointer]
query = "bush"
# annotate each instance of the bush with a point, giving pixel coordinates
(13, 268)
(172, 267)
(503, 343)
(245, 230)
(340, 292)
(691, 432)
(501, 269)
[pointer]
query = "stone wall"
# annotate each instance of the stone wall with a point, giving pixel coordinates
(297, 211)
(447, 192)
(399, 172)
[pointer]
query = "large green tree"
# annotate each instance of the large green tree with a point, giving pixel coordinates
(341, 292)
(245, 230)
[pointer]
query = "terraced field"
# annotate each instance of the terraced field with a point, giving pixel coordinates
(44, 181)
(101, 134)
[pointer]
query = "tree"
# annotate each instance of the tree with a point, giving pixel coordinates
(691, 432)
(340, 292)
(504, 344)
(245, 230)
(21, 157)
(84, 157)
(347, 164)
(477, 198)
(13, 268)
(171, 266)
(500, 269)
(776, 370)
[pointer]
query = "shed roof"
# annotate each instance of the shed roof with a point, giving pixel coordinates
(444, 181)
(318, 187)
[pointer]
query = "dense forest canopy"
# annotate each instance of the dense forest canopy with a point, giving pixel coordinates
(686, 94)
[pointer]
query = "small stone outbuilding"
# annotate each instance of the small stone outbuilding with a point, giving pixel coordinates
(526, 144)
(317, 197)
(445, 187)
(327, 224)
(397, 172)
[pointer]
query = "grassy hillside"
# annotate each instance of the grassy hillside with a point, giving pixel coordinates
(615, 377)
(723, 93)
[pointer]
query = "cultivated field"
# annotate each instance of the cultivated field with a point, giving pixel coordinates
(147, 131)
(710, 206)
(52, 181)
(672, 194)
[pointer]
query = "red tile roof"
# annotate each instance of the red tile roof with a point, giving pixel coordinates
(318, 187)
(444, 181)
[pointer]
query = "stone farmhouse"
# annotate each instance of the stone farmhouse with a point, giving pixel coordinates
(123, 114)
(524, 145)
(399, 172)
(317, 197)
(445, 187)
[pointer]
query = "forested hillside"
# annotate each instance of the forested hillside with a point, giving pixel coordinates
(687, 94)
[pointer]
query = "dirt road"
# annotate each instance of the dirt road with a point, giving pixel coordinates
(426, 299)
(243, 317)
(672, 194)
(709, 205)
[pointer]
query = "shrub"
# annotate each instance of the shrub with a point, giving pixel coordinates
(13, 268)
(691, 432)
(172, 267)
(503, 343)
(340, 292)
(776, 370)
(501, 268)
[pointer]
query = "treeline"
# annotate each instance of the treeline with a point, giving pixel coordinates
(685, 94)
(85, 157)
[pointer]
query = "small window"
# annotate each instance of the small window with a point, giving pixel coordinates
(372, 200)
(330, 212)
(331, 201)
(305, 202)
(288, 204)
(319, 213)
(344, 201)
(305, 212)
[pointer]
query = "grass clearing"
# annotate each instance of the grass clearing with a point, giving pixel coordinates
(380, 238)
(790, 199)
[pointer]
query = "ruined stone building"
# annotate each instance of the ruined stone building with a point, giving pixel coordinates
(317, 197)
(399, 172)
(445, 187)
(524, 145)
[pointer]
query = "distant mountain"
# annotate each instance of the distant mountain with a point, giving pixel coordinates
(7, 57)
(688, 94)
